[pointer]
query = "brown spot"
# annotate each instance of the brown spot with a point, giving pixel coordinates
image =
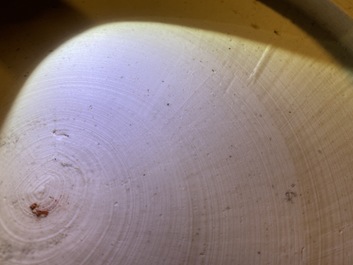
(254, 26)
(41, 213)
(33, 206)
(38, 212)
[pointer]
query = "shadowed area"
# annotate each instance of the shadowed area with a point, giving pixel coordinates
(30, 31)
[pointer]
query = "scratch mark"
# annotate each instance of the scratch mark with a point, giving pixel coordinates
(302, 252)
(261, 64)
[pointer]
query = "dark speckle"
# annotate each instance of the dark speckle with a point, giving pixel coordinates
(168, 104)
(66, 164)
(259, 252)
(290, 195)
(254, 26)
(60, 133)
(276, 32)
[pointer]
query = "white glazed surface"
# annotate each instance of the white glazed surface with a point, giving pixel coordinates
(149, 143)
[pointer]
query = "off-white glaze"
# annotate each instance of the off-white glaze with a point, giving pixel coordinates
(159, 144)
